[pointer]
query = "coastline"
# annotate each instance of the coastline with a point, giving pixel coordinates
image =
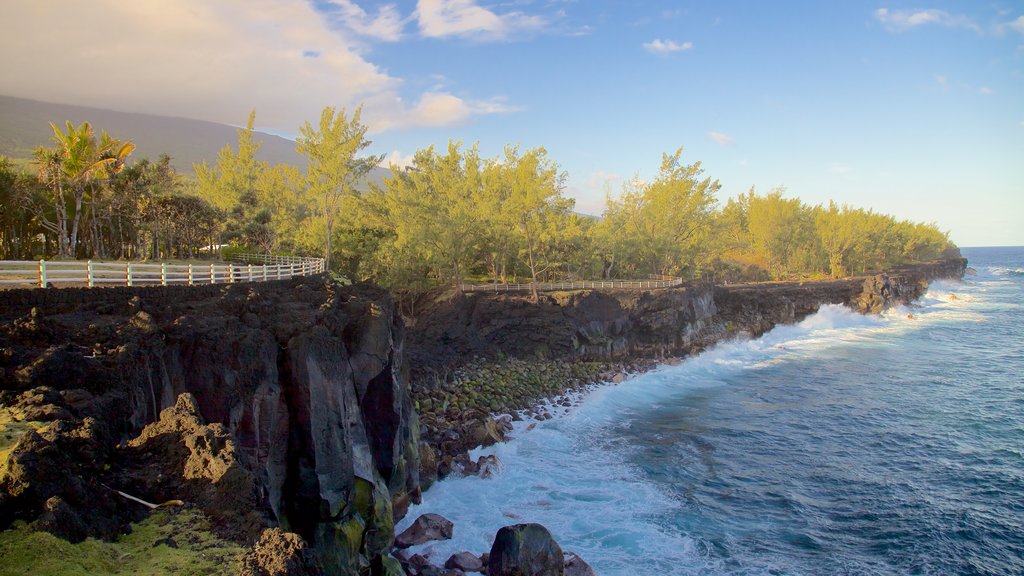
(499, 360)
(562, 405)
(102, 378)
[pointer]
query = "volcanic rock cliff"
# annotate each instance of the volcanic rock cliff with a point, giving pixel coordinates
(278, 404)
(593, 325)
(284, 409)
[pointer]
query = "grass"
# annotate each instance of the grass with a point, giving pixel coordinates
(11, 430)
(145, 551)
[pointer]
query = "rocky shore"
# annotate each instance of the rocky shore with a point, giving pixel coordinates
(478, 355)
(293, 422)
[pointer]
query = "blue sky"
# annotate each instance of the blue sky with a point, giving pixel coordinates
(914, 109)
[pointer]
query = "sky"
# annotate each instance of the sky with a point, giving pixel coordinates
(911, 109)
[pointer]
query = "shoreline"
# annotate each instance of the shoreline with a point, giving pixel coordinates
(561, 406)
(302, 393)
(458, 403)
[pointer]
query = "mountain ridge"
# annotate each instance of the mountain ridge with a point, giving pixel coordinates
(25, 124)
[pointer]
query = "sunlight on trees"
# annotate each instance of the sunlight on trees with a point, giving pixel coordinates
(449, 218)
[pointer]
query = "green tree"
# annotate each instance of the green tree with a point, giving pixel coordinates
(232, 184)
(72, 170)
(662, 225)
(534, 209)
(434, 213)
(333, 163)
(839, 234)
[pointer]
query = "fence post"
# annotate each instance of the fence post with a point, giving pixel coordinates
(264, 266)
(128, 273)
(213, 271)
(250, 272)
(163, 273)
(89, 273)
(190, 274)
(231, 273)
(42, 273)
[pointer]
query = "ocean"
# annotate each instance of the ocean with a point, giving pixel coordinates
(845, 444)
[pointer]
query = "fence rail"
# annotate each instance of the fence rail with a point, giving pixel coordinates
(666, 282)
(43, 273)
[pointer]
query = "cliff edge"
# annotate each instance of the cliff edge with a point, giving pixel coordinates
(282, 404)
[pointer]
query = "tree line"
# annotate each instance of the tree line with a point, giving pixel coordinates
(450, 217)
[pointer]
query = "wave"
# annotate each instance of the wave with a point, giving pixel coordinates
(577, 473)
(1006, 271)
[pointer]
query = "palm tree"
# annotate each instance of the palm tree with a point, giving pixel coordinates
(71, 169)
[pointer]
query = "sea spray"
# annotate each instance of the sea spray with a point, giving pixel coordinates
(842, 444)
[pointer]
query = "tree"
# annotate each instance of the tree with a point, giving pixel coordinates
(333, 165)
(72, 169)
(232, 184)
(782, 230)
(662, 225)
(839, 234)
(434, 211)
(535, 208)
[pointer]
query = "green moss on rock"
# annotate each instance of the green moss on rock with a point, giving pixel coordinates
(169, 541)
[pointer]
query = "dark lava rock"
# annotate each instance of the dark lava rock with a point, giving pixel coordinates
(280, 553)
(49, 479)
(180, 457)
(426, 528)
(575, 566)
(525, 550)
(464, 561)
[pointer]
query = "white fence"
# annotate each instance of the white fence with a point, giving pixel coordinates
(661, 282)
(43, 273)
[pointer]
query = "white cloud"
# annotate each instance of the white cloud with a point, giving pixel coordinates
(903, 20)
(1018, 24)
(212, 61)
(387, 25)
(435, 109)
(659, 46)
(985, 91)
(720, 138)
(397, 159)
(443, 18)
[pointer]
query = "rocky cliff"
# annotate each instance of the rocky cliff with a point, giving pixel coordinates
(278, 404)
(592, 325)
(284, 412)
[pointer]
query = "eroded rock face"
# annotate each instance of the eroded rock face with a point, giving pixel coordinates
(525, 549)
(464, 561)
(424, 529)
(576, 566)
(180, 457)
(280, 553)
(643, 323)
(573, 325)
(296, 407)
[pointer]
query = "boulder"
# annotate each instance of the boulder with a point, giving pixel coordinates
(488, 466)
(484, 432)
(575, 566)
(424, 529)
(180, 457)
(525, 550)
(280, 553)
(464, 561)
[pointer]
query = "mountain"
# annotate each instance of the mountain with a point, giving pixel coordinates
(25, 124)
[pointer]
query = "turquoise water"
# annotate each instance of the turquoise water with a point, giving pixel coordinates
(846, 444)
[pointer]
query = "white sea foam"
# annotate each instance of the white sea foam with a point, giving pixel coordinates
(573, 476)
